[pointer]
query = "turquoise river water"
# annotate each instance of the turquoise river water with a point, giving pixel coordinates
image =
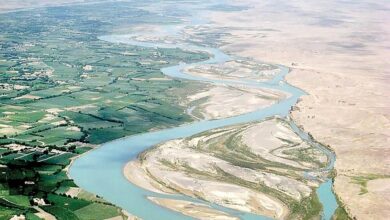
(100, 171)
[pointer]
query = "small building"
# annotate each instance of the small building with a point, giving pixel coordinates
(39, 201)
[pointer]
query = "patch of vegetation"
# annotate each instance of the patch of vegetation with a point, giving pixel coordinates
(168, 163)
(363, 180)
(66, 202)
(31, 216)
(7, 213)
(60, 213)
(340, 213)
(309, 208)
(89, 196)
(18, 199)
(309, 155)
(27, 117)
(97, 211)
(230, 147)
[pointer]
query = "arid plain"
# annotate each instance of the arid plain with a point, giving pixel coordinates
(338, 52)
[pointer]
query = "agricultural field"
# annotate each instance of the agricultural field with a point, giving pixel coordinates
(63, 92)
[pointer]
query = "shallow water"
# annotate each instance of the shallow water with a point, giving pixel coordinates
(327, 199)
(100, 171)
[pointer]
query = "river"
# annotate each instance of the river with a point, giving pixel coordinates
(100, 171)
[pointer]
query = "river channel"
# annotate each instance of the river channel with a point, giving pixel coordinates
(100, 171)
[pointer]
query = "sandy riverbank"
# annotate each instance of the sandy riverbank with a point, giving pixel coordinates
(193, 209)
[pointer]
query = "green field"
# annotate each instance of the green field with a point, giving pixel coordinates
(63, 92)
(95, 211)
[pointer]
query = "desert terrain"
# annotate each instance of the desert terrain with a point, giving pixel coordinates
(338, 53)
